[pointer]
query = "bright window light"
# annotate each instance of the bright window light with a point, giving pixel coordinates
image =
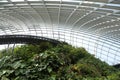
(52, 0)
(17, 0)
(1, 8)
(34, 0)
(3, 1)
(117, 5)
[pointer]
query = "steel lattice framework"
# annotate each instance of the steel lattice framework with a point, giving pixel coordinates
(93, 24)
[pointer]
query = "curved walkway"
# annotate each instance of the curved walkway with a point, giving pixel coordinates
(26, 39)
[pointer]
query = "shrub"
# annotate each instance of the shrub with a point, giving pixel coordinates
(49, 62)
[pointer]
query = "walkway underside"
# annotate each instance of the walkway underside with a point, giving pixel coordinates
(24, 39)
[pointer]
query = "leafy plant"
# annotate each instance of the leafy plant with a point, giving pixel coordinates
(53, 62)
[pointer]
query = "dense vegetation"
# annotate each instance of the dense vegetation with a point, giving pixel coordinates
(49, 62)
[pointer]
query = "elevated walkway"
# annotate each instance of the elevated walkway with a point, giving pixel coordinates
(25, 39)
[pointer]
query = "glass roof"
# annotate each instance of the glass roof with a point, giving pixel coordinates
(93, 24)
(16, 0)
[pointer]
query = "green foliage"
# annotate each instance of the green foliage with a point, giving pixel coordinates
(49, 62)
(114, 76)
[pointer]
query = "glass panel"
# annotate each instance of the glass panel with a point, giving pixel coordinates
(3, 1)
(34, 0)
(17, 0)
(52, 0)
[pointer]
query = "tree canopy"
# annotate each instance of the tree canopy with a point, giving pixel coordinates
(46, 61)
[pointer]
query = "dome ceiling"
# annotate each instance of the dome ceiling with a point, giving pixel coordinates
(96, 21)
